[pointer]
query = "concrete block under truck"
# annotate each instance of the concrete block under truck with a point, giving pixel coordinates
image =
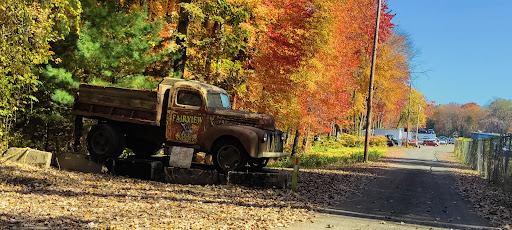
(182, 113)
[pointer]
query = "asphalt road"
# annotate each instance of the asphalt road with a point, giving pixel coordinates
(417, 192)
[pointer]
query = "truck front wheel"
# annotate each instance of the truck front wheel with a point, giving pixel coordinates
(105, 141)
(229, 156)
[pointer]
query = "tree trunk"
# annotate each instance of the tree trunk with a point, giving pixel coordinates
(46, 137)
(79, 124)
(305, 142)
(179, 64)
(295, 143)
(337, 132)
(287, 136)
(361, 122)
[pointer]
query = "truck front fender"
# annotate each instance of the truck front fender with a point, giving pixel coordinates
(248, 136)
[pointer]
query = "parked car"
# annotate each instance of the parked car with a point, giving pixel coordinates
(442, 140)
(392, 141)
(430, 143)
(413, 143)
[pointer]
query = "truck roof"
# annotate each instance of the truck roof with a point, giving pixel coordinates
(192, 83)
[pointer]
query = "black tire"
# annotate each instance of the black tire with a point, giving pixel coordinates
(104, 142)
(229, 156)
(142, 148)
(258, 163)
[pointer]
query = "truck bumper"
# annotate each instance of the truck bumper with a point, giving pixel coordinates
(274, 154)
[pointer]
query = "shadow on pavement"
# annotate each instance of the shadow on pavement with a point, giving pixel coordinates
(419, 189)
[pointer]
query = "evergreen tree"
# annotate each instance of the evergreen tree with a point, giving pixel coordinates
(116, 46)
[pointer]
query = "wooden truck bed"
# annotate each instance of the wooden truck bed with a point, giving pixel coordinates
(117, 104)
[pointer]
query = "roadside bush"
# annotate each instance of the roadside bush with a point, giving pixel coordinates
(321, 160)
(348, 149)
(378, 141)
(350, 140)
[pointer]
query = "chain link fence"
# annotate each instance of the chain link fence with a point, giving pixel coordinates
(490, 156)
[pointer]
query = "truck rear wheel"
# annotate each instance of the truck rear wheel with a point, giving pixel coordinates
(229, 156)
(105, 141)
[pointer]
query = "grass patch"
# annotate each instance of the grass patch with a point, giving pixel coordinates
(323, 154)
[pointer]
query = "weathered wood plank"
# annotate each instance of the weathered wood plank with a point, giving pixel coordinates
(116, 118)
(117, 92)
(119, 101)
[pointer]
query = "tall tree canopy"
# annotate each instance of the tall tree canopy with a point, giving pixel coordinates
(306, 62)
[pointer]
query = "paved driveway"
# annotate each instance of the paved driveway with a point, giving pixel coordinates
(417, 192)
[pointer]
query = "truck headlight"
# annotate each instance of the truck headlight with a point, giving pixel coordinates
(283, 136)
(265, 137)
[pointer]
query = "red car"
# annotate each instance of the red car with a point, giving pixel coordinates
(430, 143)
(413, 143)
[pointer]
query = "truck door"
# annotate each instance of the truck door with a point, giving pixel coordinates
(186, 116)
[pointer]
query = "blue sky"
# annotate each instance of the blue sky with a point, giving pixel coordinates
(465, 47)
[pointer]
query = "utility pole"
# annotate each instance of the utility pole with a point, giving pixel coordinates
(408, 116)
(418, 123)
(370, 88)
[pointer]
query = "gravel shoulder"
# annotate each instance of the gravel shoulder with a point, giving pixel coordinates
(55, 199)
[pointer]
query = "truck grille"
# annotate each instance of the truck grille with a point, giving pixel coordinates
(274, 142)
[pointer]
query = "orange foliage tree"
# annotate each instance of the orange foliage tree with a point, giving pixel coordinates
(304, 61)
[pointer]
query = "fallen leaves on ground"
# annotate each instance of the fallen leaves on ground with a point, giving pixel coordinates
(490, 200)
(34, 197)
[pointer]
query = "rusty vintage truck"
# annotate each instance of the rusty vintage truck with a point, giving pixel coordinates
(183, 113)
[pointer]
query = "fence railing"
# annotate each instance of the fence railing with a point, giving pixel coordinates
(490, 156)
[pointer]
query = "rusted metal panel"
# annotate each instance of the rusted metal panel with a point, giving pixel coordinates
(236, 117)
(184, 127)
(185, 124)
(248, 137)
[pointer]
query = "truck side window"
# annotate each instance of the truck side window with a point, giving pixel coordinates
(191, 98)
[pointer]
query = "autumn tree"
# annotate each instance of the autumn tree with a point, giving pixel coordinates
(500, 117)
(27, 28)
(414, 110)
(218, 42)
(473, 115)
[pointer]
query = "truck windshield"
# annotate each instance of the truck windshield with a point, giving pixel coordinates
(218, 100)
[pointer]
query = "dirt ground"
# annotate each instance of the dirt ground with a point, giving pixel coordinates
(56, 199)
(420, 190)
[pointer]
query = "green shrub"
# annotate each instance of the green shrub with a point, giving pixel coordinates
(321, 160)
(348, 149)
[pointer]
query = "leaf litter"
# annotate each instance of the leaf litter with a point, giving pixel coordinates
(49, 198)
(491, 201)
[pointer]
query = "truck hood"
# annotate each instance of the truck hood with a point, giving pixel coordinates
(238, 117)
